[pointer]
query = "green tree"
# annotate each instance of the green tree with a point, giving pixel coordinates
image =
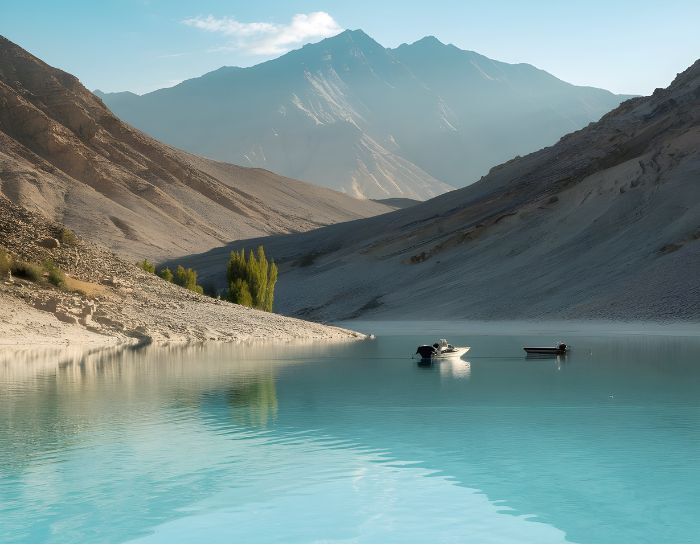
(187, 278)
(55, 274)
(251, 280)
(166, 274)
(271, 282)
(239, 292)
(147, 266)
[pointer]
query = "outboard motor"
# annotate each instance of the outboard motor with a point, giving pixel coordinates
(563, 347)
(426, 352)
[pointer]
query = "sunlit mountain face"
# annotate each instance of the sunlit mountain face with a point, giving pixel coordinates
(347, 113)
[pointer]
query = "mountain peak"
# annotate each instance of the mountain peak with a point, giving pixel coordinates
(431, 41)
(426, 43)
(356, 37)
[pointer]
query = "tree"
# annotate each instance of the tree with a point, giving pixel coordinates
(271, 282)
(251, 280)
(187, 278)
(166, 274)
(239, 292)
(147, 266)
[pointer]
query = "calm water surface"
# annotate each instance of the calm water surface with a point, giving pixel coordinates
(356, 443)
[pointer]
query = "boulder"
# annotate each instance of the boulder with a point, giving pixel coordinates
(49, 243)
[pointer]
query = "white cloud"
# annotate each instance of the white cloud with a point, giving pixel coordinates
(269, 38)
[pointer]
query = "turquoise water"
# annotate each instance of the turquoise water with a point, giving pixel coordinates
(356, 443)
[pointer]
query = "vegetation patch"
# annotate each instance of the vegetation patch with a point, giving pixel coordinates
(187, 278)
(28, 271)
(670, 248)
(308, 259)
(420, 258)
(5, 263)
(67, 237)
(85, 288)
(251, 281)
(147, 266)
(184, 277)
(166, 274)
(55, 275)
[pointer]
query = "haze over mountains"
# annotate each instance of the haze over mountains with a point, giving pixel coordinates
(604, 224)
(64, 155)
(350, 114)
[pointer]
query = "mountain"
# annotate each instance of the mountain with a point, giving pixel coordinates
(347, 113)
(65, 155)
(603, 224)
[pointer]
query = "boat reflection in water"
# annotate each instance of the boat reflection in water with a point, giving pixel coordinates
(448, 368)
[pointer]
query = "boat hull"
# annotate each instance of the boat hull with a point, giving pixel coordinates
(454, 354)
(545, 351)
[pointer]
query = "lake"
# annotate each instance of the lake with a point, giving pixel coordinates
(357, 442)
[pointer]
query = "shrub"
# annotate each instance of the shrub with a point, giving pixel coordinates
(187, 278)
(28, 271)
(166, 274)
(67, 237)
(147, 266)
(5, 263)
(308, 259)
(254, 276)
(56, 276)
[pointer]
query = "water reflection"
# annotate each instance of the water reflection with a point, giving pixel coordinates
(342, 442)
(457, 368)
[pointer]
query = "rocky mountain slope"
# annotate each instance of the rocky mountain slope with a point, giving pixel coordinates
(64, 155)
(352, 115)
(604, 224)
(107, 301)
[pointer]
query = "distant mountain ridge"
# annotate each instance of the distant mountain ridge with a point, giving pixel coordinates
(605, 224)
(64, 155)
(350, 114)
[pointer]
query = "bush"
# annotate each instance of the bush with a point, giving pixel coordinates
(166, 274)
(67, 237)
(252, 281)
(55, 275)
(308, 259)
(147, 266)
(187, 278)
(28, 271)
(5, 263)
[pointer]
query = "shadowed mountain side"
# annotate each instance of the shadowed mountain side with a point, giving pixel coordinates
(605, 224)
(411, 122)
(398, 203)
(64, 155)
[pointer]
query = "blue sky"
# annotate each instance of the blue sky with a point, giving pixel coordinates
(141, 45)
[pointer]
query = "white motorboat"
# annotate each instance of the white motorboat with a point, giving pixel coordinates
(441, 350)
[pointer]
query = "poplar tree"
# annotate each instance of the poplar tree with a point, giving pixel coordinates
(251, 279)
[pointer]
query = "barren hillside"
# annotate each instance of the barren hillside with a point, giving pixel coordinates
(64, 155)
(603, 224)
(106, 300)
(348, 113)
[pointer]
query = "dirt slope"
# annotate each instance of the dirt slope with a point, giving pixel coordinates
(603, 224)
(64, 155)
(118, 302)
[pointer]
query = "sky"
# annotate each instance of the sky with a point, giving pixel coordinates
(625, 46)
